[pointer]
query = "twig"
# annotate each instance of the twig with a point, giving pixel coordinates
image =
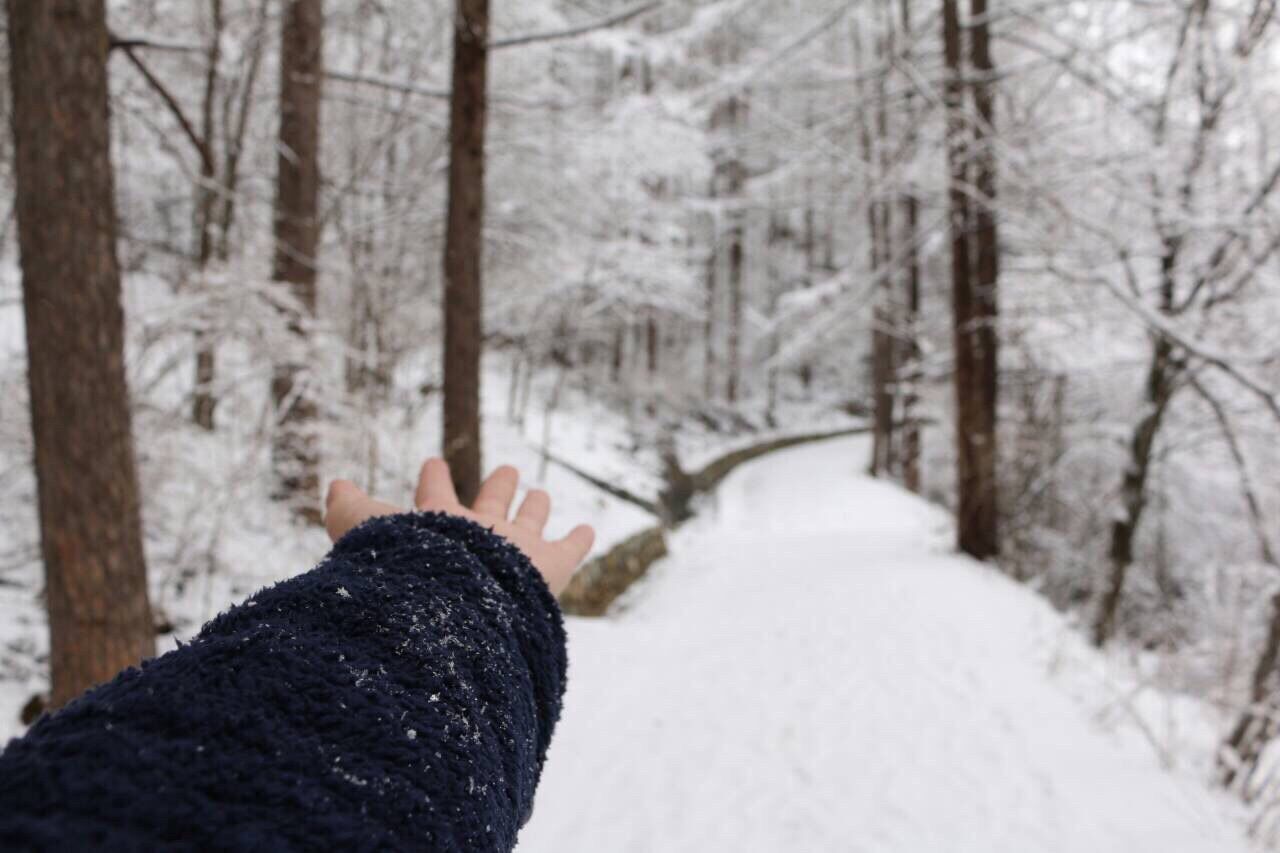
(556, 35)
(1265, 548)
(129, 42)
(206, 157)
(603, 485)
(1159, 325)
(387, 83)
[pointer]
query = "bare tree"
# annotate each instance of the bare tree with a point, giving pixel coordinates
(203, 401)
(226, 105)
(464, 246)
(90, 527)
(225, 108)
(974, 273)
(1168, 365)
(728, 121)
(978, 314)
(909, 370)
(874, 137)
(297, 236)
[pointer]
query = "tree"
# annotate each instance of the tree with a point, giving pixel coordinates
(216, 193)
(464, 246)
(728, 121)
(297, 235)
(1178, 214)
(90, 525)
(974, 275)
(225, 106)
(910, 369)
(884, 322)
(979, 390)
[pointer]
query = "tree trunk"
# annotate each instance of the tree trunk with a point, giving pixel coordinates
(212, 211)
(880, 239)
(911, 372)
(297, 235)
(651, 342)
(734, 367)
(709, 304)
(776, 288)
(203, 402)
(731, 178)
(1163, 375)
(90, 526)
(809, 244)
(1258, 724)
(974, 272)
(986, 259)
(464, 246)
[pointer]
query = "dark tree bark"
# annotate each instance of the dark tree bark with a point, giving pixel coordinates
(297, 236)
(911, 372)
(1163, 378)
(709, 305)
(1258, 725)
(464, 246)
(90, 525)
(651, 342)
(776, 287)
(203, 402)
(974, 273)
(734, 367)
(880, 240)
(730, 180)
(984, 538)
(808, 247)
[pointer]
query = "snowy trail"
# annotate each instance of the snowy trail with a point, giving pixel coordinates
(811, 670)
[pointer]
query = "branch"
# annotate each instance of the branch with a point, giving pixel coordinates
(1219, 255)
(130, 44)
(392, 85)
(604, 485)
(206, 157)
(387, 83)
(146, 43)
(1265, 548)
(556, 35)
(1161, 326)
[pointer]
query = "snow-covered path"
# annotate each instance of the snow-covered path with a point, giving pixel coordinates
(811, 670)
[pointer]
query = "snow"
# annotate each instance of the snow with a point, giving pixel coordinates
(813, 669)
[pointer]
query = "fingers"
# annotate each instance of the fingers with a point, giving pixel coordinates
(341, 506)
(497, 492)
(535, 510)
(578, 543)
(435, 486)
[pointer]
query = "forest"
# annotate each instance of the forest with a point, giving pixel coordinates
(1019, 259)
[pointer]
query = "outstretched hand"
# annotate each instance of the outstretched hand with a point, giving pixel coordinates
(556, 560)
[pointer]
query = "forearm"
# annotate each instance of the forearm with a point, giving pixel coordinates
(404, 690)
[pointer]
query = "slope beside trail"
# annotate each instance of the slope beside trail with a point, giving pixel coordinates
(813, 669)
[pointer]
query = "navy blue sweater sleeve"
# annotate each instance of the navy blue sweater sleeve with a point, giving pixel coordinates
(401, 695)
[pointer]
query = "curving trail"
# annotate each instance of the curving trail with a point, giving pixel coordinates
(812, 670)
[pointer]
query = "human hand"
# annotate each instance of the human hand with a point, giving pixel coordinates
(556, 560)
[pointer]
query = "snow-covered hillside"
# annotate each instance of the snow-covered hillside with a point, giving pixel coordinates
(813, 669)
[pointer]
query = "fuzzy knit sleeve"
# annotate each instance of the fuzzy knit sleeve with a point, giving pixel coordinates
(399, 696)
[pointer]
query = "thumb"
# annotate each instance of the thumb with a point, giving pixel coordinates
(344, 508)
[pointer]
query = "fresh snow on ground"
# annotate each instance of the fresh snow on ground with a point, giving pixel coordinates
(814, 670)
